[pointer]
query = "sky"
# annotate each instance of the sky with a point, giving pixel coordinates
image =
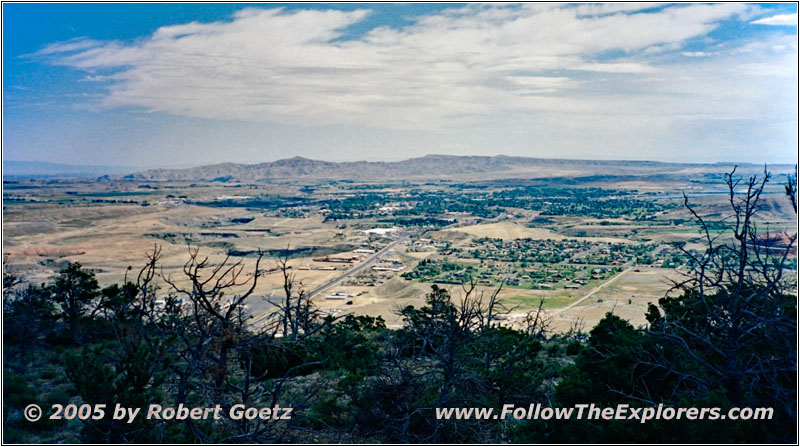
(191, 84)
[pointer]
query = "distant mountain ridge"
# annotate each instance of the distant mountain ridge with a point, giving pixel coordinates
(445, 166)
(12, 168)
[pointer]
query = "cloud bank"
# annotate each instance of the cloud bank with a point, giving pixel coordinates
(629, 73)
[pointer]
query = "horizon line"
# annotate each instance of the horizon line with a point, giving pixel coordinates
(189, 166)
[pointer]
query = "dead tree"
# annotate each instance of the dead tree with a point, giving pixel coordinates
(536, 322)
(456, 341)
(732, 320)
(295, 316)
(791, 188)
(217, 316)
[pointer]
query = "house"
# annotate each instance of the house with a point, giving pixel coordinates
(388, 265)
(340, 295)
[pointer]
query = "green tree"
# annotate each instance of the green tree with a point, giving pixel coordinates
(76, 291)
(28, 316)
(724, 337)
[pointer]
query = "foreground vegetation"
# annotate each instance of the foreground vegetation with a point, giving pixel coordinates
(725, 337)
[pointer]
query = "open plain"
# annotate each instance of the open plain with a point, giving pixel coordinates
(580, 241)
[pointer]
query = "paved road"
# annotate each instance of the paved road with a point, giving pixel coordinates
(368, 262)
(256, 320)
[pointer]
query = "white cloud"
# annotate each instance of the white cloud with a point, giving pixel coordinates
(697, 53)
(778, 20)
(459, 69)
(77, 44)
(598, 9)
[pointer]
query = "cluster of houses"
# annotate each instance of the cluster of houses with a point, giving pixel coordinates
(382, 232)
(364, 279)
(550, 251)
(423, 244)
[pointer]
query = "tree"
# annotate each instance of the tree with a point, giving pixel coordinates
(724, 336)
(734, 323)
(791, 188)
(295, 316)
(10, 279)
(128, 362)
(220, 359)
(744, 278)
(75, 290)
(451, 352)
(28, 316)
(219, 318)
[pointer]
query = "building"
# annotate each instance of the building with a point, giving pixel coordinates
(332, 259)
(340, 295)
(381, 231)
(388, 267)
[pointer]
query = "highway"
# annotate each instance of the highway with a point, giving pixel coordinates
(363, 265)
(256, 320)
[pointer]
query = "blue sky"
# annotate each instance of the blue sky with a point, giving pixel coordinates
(187, 84)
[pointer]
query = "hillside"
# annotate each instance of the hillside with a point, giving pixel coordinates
(429, 166)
